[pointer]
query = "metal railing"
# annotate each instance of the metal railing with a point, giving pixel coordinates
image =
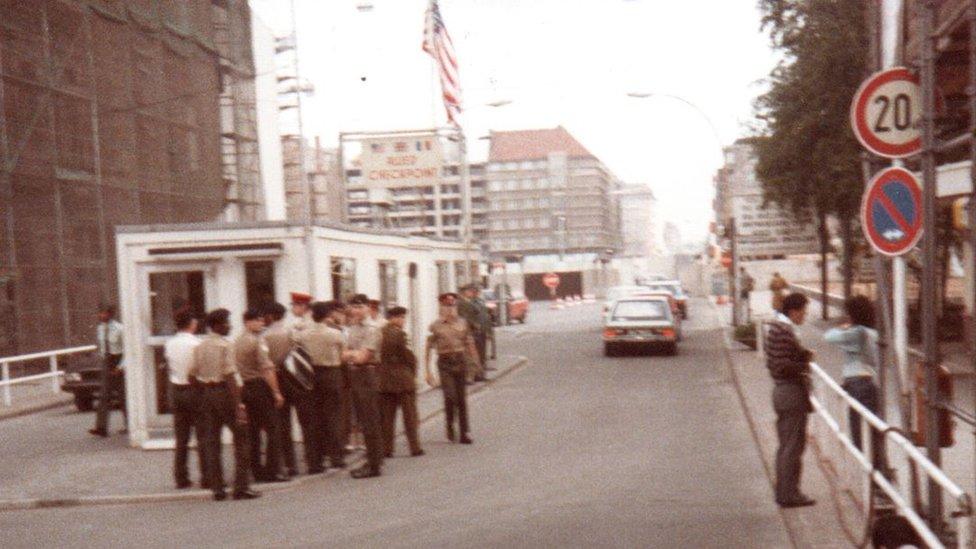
(911, 455)
(6, 382)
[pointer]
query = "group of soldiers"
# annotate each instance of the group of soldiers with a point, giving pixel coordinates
(343, 369)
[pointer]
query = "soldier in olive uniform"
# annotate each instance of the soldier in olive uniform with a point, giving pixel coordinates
(474, 310)
(398, 382)
(323, 341)
(450, 335)
(261, 397)
(279, 347)
(361, 356)
(215, 372)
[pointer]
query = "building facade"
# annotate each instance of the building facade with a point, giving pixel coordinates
(762, 231)
(637, 221)
(549, 195)
(113, 113)
(322, 173)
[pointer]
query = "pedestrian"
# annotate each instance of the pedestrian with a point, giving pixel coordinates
(859, 341)
(178, 351)
(108, 337)
(474, 310)
(360, 357)
(778, 286)
(215, 372)
(296, 397)
(398, 382)
(324, 341)
(746, 285)
(451, 337)
(789, 365)
(375, 318)
(301, 315)
(261, 396)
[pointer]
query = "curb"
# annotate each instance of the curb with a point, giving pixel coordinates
(35, 409)
(27, 504)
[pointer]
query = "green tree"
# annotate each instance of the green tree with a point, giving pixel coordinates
(808, 159)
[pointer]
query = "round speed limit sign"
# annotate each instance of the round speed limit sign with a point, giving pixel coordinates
(886, 113)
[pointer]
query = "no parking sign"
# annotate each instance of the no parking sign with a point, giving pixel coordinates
(891, 211)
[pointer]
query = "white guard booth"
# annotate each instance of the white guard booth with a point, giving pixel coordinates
(163, 268)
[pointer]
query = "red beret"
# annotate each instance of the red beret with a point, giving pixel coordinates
(300, 298)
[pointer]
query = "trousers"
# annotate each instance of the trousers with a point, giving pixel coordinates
(304, 405)
(406, 401)
(791, 403)
(864, 390)
(186, 420)
(262, 428)
(362, 381)
(112, 388)
(453, 384)
(328, 430)
(217, 409)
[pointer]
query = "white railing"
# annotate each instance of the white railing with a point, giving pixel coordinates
(54, 374)
(910, 455)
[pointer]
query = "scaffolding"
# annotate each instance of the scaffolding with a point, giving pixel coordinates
(110, 114)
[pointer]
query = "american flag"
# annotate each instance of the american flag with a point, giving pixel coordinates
(437, 42)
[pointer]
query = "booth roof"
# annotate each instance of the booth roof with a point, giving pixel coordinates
(243, 225)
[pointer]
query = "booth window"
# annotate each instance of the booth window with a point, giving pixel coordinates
(443, 278)
(343, 278)
(259, 279)
(171, 293)
(388, 284)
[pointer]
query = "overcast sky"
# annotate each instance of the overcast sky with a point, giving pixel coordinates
(568, 62)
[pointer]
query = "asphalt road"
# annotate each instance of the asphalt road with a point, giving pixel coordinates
(572, 450)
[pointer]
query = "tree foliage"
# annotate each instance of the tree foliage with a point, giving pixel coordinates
(808, 158)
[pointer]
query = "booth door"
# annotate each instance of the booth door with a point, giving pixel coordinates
(167, 290)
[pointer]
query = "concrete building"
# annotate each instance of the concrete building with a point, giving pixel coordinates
(113, 113)
(637, 221)
(763, 231)
(322, 171)
(411, 182)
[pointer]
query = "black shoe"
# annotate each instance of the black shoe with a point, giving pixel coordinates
(450, 433)
(365, 472)
(800, 502)
(417, 453)
(337, 465)
(247, 494)
(98, 432)
(292, 472)
(316, 470)
(273, 478)
(220, 496)
(481, 378)
(465, 439)
(388, 455)
(183, 485)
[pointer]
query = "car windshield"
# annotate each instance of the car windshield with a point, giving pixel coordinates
(617, 292)
(661, 288)
(640, 310)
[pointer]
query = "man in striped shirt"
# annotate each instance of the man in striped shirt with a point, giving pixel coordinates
(789, 365)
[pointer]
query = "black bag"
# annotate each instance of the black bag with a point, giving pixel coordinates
(298, 373)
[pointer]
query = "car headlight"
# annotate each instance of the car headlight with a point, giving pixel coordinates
(73, 377)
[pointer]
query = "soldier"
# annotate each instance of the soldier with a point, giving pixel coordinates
(215, 372)
(261, 397)
(301, 312)
(186, 398)
(361, 356)
(279, 346)
(108, 337)
(398, 382)
(474, 310)
(374, 314)
(323, 341)
(451, 336)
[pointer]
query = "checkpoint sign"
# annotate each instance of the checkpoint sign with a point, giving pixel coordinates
(891, 211)
(551, 280)
(886, 111)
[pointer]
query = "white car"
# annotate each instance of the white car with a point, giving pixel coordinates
(616, 292)
(640, 322)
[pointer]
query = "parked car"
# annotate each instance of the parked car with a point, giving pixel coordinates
(674, 287)
(83, 378)
(518, 307)
(640, 322)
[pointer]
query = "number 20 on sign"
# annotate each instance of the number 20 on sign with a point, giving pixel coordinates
(886, 111)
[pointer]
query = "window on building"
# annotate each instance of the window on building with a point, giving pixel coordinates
(259, 281)
(511, 184)
(358, 195)
(526, 184)
(389, 281)
(171, 293)
(343, 277)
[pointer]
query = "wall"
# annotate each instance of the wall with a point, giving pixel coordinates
(269, 132)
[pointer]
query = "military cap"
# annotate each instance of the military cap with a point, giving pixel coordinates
(396, 311)
(447, 298)
(359, 299)
(471, 286)
(299, 298)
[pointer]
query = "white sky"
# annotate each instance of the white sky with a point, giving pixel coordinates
(568, 62)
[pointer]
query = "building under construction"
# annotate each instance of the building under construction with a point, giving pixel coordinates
(114, 112)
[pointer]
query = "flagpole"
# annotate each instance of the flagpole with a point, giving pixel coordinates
(466, 205)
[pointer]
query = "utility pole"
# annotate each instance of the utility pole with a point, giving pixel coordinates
(306, 183)
(735, 274)
(466, 221)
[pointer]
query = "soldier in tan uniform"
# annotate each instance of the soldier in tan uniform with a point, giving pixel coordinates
(261, 397)
(323, 341)
(301, 314)
(215, 372)
(398, 382)
(361, 357)
(451, 336)
(279, 342)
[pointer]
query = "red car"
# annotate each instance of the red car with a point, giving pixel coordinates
(518, 306)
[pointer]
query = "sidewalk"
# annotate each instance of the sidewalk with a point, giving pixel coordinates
(51, 460)
(31, 397)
